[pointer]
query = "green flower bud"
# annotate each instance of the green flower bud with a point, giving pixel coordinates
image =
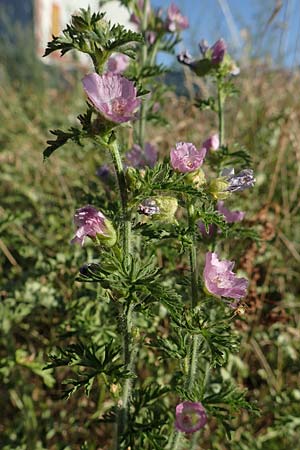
(167, 209)
(217, 188)
(110, 237)
(196, 178)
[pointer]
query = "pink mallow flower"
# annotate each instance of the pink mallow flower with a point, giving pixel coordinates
(112, 95)
(230, 216)
(218, 51)
(118, 63)
(186, 158)
(212, 143)
(220, 280)
(190, 417)
(175, 20)
(92, 223)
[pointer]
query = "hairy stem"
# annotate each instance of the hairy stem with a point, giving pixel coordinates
(221, 101)
(193, 257)
(127, 319)
(128, 358)
(126, 219)
(193, 354)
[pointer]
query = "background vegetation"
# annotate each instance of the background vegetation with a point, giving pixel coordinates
(41, 303)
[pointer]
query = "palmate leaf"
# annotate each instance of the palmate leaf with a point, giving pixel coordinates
(208, 216)
(163, 178)
(92, 34)
(206, 104)
(87, 362)
(62, 137)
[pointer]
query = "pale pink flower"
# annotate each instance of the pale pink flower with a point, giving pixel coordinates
(186, 158)
(89, 222)
(112, 95)
(190, 417)
(220, 280)
(218, 51)
(118, 63)
(230, 216)
(212, 143)
(175, 20)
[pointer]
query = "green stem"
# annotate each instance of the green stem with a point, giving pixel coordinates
(193, 354)
(193, 257)
(126, 219)
(144, 56)
(128, 358)
(174, 442)
(221, 101)
(193, 362)
(127, 319)
(194, 442)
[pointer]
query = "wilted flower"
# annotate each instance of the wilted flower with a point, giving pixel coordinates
(185, 58)
(149, 207)
(230, 216)
(186, 158)
(190, 417)
(218, 51)
(222, 187)
(175, 20)
(92, 223)
(239, 182)
(212, 143)
(203, 46)
(138, 158)
(112, 95)
(118, 63)
(220, 280)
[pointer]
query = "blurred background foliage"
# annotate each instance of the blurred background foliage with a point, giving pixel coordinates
(40, 301)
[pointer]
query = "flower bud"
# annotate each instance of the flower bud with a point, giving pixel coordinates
(167, 209)
(196, 178)
(218, 188)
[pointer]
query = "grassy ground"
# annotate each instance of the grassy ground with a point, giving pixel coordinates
(38, 266)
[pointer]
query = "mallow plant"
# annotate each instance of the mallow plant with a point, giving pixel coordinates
(167, 294)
